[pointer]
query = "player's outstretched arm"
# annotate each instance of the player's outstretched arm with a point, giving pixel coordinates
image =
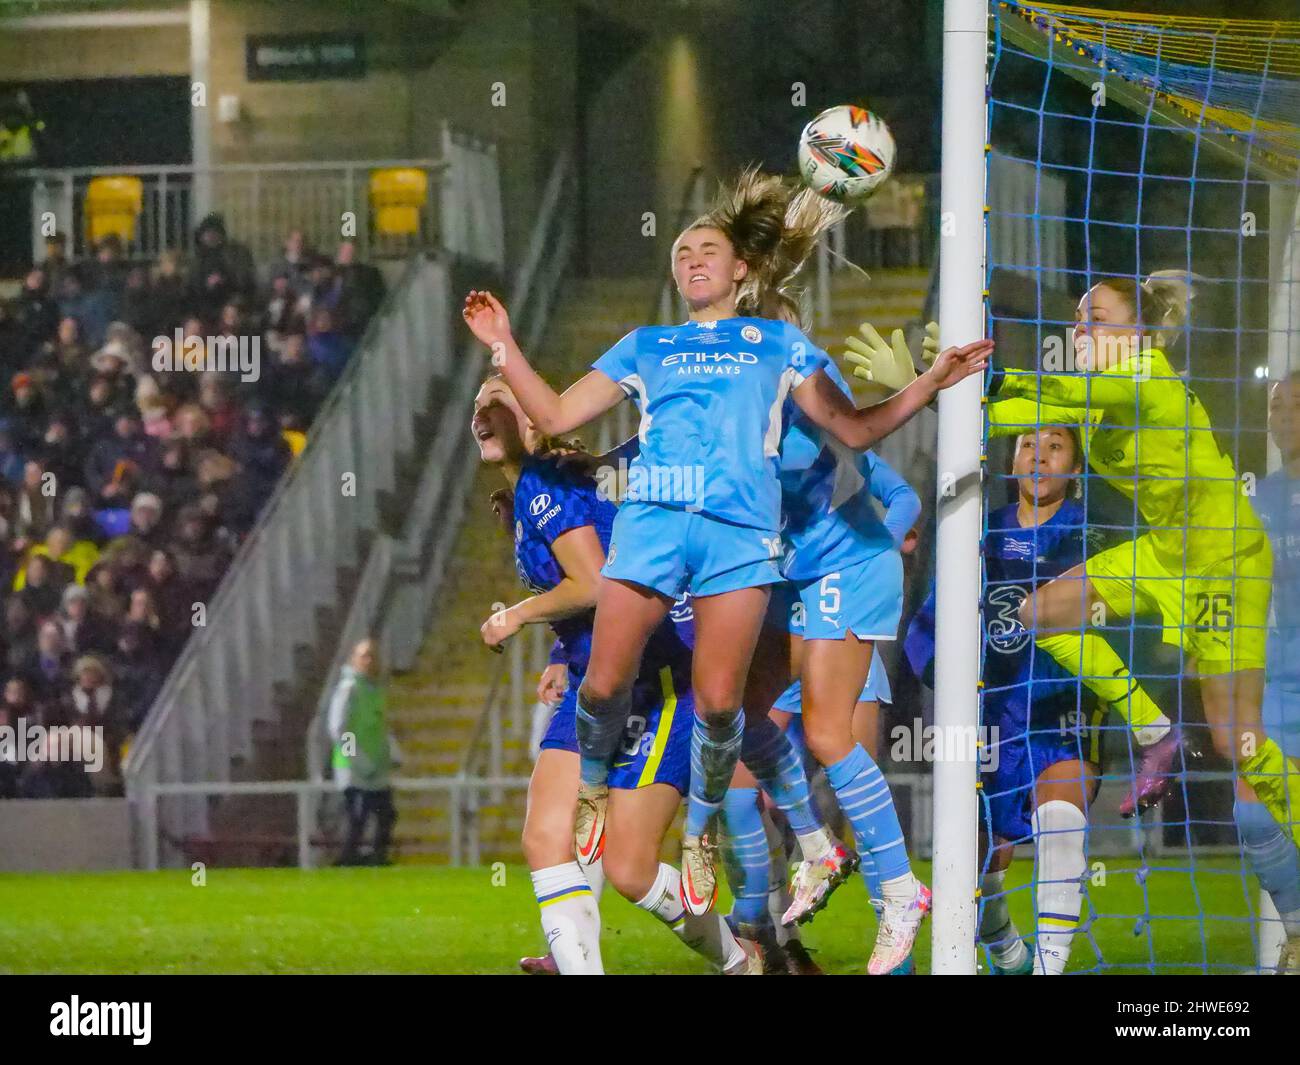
(551, 412)
(859, 428)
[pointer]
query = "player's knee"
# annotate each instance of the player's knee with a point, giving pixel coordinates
(628, 871)
(1231, 743)
(826, 745)
(1029, 612)
(545, 845)
(716, 717)
(601, 695)
(717, 701)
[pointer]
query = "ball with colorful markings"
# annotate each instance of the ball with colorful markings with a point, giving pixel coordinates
(846, 153)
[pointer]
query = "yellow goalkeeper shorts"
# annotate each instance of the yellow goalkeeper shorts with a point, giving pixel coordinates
(1218, 613)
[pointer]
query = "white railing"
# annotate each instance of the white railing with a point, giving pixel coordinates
(222, 692)
(261, 202)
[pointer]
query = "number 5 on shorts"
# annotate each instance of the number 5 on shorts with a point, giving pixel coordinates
(830, 595)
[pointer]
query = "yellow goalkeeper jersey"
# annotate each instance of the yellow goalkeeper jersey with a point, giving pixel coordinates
(1148, 435)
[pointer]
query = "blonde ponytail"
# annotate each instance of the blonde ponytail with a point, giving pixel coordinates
(773, 227)
(1169, 294)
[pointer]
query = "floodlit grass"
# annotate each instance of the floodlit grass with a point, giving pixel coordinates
(434, 920)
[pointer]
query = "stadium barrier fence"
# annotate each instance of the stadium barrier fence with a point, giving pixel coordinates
(261, 202)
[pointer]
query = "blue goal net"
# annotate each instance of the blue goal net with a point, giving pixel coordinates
(1140, 689)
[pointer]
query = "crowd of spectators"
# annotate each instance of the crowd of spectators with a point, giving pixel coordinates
(126, 486)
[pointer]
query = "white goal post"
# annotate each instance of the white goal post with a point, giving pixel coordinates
(957, 567)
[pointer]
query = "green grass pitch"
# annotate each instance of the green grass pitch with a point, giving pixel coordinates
(436, 920)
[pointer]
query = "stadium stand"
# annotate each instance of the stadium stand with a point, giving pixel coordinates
(129, 473)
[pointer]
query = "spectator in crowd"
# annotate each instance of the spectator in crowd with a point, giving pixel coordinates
(294, 388)
(36, 314)
(96, 410)
(282, 311)
(43, 581)
(323, 286)
(193, 426)
(118, 464)
(84, 630)
(93, 699)
(110, 268)
(217, 404)
(328, 348)
(139, 668)
(172, 601)
(361, 290)
(62, 362)
(138, 309)
(56, 262)
(200, 559)
(363, 752)
(76, 515)
(48, 672)
(10, 768)
(28, 412)
(104, 587)
(262, 456)
(92, 307)
(173, 482)
(19, 634)
(146, 521)
(60, 546)
(11, 458)
(168, 300)
(222, 267)
(293, 264)
(37, 506)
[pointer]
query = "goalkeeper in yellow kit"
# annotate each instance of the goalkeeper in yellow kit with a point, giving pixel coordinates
(1201, 558)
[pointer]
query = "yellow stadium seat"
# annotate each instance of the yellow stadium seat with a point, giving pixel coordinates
(113, 207)
(296, 440)
(397, 194)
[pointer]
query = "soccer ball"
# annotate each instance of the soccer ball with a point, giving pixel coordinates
(846, 153)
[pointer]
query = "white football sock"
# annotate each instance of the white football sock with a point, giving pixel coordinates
(1059, 833)
(997, 931)
(595, 873)
(812, 845)
(570, 919)
(900, 889)
(708, 936)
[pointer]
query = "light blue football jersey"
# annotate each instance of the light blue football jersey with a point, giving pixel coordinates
(711, 397)
(1277, 501)
(826, 489)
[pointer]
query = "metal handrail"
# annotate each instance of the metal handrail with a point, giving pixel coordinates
(170, 169)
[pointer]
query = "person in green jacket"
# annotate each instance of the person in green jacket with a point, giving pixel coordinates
(362, 754)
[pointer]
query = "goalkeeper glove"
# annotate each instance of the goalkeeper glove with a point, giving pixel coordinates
(888, 365)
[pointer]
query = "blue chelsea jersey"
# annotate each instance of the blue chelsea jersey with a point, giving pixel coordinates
(1016, 561)
(828, 519)
(711, 396)
(1277, 501)
(550, 500)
